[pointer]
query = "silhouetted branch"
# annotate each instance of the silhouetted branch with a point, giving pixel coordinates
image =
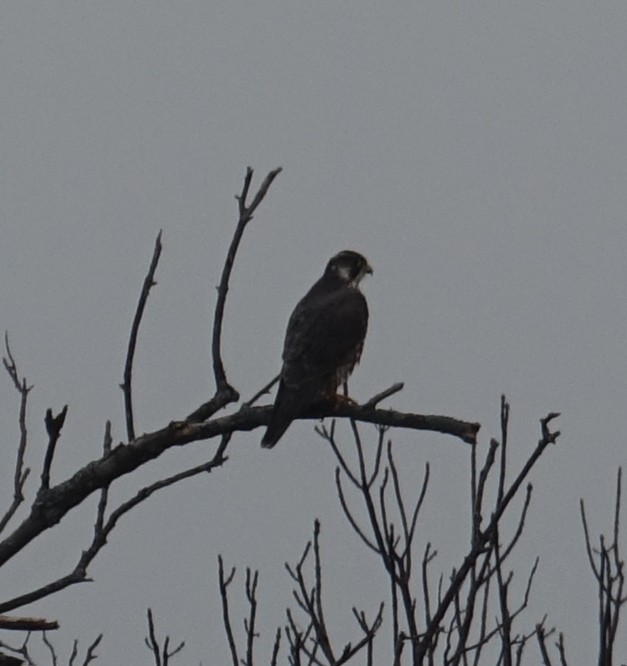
(464, 602)
(309, 599)
(90, 655)
(54, 425)
(246, 212)
(541, 636)
(484, 538)
(276, 647)
(249, 625)
(149, 283)
(27, 623)
(375, 400)
(262, 391)
(102, 528)
(24, 655)
(21, 474)
(224, 582)
(225, 393)
(608, 568)
(51, 650)
(393, 530)
(52, 504)
(161, 653)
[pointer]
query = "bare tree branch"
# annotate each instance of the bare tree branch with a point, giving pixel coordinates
(27, 623)
(375, 400)
(224, 582)
(541, 636)
(102, 528)
(161, 653)
(393, 523)
(126, 386)
(608, 568)
(251, 595)
(262, 391)
(276, 647)
(484, 537)
(52, 504)
(309, 599)
(54, 425)
(51, 650)
(246, 212)
(91, 651)
(20, 474)
(225, 393)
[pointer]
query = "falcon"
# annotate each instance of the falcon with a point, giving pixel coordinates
(323, 343)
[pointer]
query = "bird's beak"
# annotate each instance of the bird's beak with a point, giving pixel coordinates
(368, 270)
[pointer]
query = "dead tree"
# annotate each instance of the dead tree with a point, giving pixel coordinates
(44, 503)
(468, 617)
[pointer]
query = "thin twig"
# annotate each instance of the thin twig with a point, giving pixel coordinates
(246, 212)
(126, 386)
(160, 653)
(276, 647)
(91, 651)
(151, 639)
(50, 646)
(503, 448)
(224, 582)
(375, 400)
(54, 425)
(21, 474)
(309, 599)
(542, 645)
(251, 595)
(483, 538)
(74, 652)
(261, 392)
(225, 393)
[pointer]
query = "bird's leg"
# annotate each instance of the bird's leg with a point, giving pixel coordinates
(340, 399)
(331, 398)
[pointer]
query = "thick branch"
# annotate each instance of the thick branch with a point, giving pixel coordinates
(52, 504)
(27, 623)
(102, 528)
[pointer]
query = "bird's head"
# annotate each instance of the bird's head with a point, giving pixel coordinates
(349, 267)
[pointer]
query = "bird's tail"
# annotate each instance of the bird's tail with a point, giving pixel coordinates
(287, 407)
(274, 433)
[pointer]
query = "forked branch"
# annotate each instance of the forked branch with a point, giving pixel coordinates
(225, 393)
(161, 651)
(21, 474)
(608, 568)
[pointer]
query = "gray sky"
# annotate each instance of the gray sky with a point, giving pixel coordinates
(473, 151)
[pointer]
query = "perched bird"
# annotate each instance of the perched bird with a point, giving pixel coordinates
(324, 340)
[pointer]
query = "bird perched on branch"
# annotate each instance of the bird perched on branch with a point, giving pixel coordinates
(324, 340)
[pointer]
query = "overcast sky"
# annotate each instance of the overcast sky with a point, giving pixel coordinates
(474, 151)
